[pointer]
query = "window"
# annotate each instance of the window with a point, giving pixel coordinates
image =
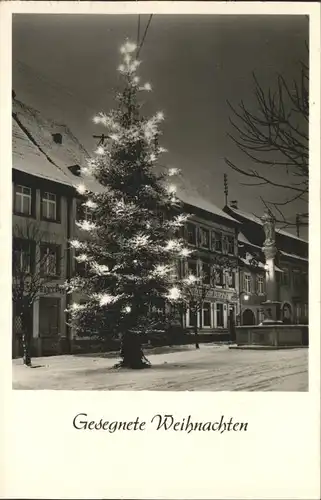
(230, 279)
(159, 308)
(22, 256)
(22, 200)
(247, 283)
(57, 138)
(80, 267)
(306, 310)
(296, 278)
(230, 244)
(204, 237)
(219, 315)
(192, 310)
(49, 206)
(219, 277)
(206, 273)
(83, 212)
(207, 314)
(305, 279)
(49, 315)
(260, 285)
(192, 267)
(49, 260)
(191, 234)
(217, 241)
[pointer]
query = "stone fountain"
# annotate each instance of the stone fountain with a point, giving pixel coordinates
(271, 333)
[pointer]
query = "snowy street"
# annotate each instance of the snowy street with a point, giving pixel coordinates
(211, 368)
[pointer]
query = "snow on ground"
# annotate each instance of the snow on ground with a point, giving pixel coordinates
(211, 368)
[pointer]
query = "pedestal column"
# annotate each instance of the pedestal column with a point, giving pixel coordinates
(271, 308)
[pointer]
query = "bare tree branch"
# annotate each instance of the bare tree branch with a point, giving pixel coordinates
(275, 137)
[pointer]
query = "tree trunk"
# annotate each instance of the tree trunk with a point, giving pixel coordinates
(131, 352)
(197, 346)
(26, 338)
(26, 347)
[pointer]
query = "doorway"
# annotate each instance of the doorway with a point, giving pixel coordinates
(248, 317)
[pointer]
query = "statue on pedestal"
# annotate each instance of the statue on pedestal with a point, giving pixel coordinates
(269, 229)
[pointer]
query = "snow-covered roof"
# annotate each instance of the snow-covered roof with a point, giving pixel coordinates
(195, 200)
(251, 260)
(294, 256)
(257, 220)
(243, 239)
(35, 152)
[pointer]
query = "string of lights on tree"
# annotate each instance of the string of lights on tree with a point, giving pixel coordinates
(132, 239)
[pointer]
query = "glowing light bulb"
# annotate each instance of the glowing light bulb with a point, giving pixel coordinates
(147, 87)
(106, 299)
(191, 279)
(171, 189)
(75, 243)
(185, 252)
(100, 150)
(81, 188)
(173, 171)
(174, 293)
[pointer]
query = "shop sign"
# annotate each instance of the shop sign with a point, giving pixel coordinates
(220, 294)
(51, 289)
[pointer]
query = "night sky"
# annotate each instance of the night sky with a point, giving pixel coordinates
(65, 66)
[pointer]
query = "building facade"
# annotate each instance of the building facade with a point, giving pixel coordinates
(227, 245)
(46, 159)
(212, 236)
(292, 271)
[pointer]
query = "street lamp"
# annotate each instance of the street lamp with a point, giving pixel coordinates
(246, 298)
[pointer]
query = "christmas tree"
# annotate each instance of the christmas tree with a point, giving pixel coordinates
(133, 237)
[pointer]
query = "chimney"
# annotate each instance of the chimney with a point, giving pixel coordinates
(57, 138)
(233, 204)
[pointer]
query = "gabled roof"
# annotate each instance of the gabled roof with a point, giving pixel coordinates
(195, 200)
(243, 239)
(294, 256)
(257, 220)
(35, 152)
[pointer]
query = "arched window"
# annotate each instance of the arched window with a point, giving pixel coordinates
(287, 313)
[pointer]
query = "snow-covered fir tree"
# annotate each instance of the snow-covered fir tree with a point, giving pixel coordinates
(133, 237)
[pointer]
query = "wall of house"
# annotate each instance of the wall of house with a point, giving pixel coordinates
(50, 332)
(294, 290)
(221, 297)
(252, 293)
